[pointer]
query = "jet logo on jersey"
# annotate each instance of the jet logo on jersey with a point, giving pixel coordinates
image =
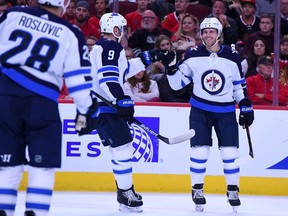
(6, 158)
(146, 146)
(213, 82)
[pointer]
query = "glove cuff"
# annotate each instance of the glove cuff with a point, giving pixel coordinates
(245, 105)
(171, 70)
(146, 58)
(125, 101)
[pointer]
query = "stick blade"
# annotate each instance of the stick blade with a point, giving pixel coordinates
(243, 160)
(182, 138)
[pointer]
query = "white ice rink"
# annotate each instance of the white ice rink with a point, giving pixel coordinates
(158, 204)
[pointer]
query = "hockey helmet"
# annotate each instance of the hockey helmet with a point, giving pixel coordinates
(212, 22)
(56, 3)
(110, 20)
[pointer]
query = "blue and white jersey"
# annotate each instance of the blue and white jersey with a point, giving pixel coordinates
(110, 68)
(38, 49)
(217, 78)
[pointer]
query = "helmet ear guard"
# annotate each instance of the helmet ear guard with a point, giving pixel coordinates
(111, 20)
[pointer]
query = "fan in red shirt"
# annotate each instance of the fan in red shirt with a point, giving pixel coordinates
(171, 21)
(81, 19)
(260, 86)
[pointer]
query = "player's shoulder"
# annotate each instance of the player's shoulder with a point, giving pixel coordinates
(230, 52)
(196, 52)
(110, 44)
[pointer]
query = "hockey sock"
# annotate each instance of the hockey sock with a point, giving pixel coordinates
(231, 170)
(10, 178)
(40, 190)
(122, 166)
(198, 160)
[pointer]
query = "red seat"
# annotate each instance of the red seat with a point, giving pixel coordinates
(199, 10)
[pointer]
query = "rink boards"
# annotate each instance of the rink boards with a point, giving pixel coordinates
(159, 167)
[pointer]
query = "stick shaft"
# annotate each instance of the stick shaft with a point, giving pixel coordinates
(249, 141)
(145, 127)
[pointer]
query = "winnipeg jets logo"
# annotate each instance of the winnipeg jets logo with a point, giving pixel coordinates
(213, 81)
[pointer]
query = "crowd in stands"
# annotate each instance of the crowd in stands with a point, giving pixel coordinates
(174, 25)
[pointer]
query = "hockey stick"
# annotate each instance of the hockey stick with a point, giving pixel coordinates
(167, 140)
(244, 160)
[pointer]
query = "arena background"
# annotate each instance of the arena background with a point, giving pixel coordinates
(159, 167)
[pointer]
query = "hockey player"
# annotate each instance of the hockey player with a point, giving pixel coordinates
(37, 48)
(215, 72)
(110, 68)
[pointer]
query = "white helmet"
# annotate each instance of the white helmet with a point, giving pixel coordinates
(212, 22)
(56, 3)
(110, 20)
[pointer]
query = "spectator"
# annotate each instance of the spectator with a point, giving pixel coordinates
(260, 86)
(171, 21)
(100, 9)
(134, 18)
(284, 17)
(219, 10)
(247, 22)
(3, 6)
(161, 8)
(21, 2)
(249, 64)
(184, 38)
(140, 87)
(91, 41)
(266, 26)
(265, 7)
(144, 39)
(70, 11)
(81, 19)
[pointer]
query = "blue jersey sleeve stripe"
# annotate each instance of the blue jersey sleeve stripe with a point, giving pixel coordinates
(107, 79)
(109, 68)
(77, 72)
(79, 88)
(239, 82)
(31, 85)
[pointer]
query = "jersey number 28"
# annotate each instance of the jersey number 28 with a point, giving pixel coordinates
(42, 52)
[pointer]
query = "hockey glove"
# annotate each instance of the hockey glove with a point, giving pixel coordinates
(85, 124)
(125, 107)
(150, 56)
(246, 116)
(170, 63)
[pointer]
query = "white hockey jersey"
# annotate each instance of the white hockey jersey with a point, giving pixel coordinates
(110, 68)
(38, 48)
(217, 78)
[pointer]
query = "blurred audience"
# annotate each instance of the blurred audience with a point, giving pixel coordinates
(184, 38)
(144, 38)
(134, 18)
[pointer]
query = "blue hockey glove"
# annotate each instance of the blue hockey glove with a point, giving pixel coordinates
(85, 124)
(125, 107)
(246, 116)
(150, 56)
